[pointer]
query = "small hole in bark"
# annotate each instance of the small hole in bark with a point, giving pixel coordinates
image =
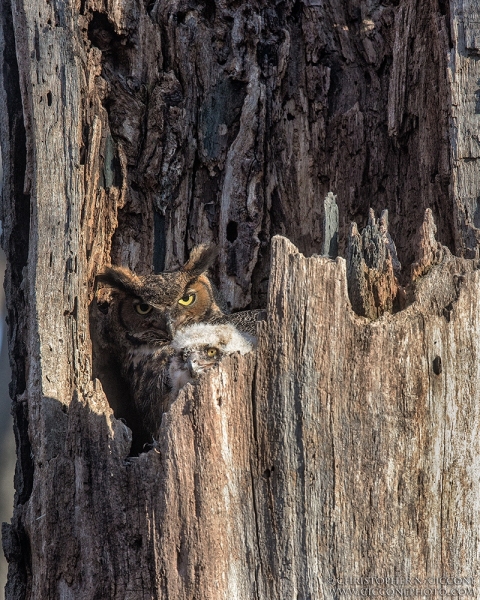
(290, 117)
(150, 7)
(266, 473)
(179, 17)
(220, 401)
(437, 365)
(49, 98)
(100, 31)
(209, 10)
(232, 231)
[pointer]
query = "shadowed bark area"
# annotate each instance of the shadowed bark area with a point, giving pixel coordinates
(132, 131)
(231, 124)
(277, 476)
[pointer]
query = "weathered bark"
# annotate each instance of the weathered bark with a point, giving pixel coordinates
(7, 441)
(132, 131)
(210, 122)
(464, 71)
(372, 265)
(367, 431)
(323, 462)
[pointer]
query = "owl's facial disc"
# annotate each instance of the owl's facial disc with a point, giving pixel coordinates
(195, 303)
(199, 361)
(148, 323)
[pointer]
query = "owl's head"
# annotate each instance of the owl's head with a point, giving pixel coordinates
(149, 309)
(201, 346)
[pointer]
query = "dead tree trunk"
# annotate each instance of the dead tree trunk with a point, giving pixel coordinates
(346, 453)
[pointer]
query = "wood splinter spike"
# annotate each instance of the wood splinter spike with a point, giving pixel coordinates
(372, 263)
(429, 252)
(330, 226)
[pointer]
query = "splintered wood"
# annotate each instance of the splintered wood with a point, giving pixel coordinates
(345, 455)
(131, 132)
(368, 431)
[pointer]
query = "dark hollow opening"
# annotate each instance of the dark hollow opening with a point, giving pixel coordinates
(232, 231)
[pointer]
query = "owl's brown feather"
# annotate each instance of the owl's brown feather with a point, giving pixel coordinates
(137, 317)
(201, 258)
(245, 321)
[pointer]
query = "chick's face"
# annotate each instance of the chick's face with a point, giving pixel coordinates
(199, 360)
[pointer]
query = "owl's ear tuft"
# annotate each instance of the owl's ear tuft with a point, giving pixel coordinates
(120, 278)
(201, 258)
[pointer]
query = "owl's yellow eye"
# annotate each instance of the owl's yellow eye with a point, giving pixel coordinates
(143, 308)
(211, 352)
(187, 299)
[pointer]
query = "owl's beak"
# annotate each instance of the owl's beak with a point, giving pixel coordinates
(198, 364)
(193, 366)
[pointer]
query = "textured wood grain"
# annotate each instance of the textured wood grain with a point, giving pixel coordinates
(369, 451)
(464, 72)
(209, 122)
(132, 131)
(177, 522)
(351, 449)
(372, 266)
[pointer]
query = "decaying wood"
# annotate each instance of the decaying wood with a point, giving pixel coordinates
(348, 448)
(429, 251)
(330, 226)
(132, 131)
(244, 117)
(230, 124)
(372, 265)
(365, 428)
(464, 73)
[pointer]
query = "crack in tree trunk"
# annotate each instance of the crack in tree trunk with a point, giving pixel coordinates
(345, 448)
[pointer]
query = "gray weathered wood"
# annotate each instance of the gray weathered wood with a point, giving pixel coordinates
(351, 449)
(372, 265)
(131, 132)
(330, 226)
(368, 459)
(464, 71)
(181, 127)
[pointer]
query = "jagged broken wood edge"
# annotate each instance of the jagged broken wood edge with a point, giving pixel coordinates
(361, 428)
(257, 459)
(373, 266)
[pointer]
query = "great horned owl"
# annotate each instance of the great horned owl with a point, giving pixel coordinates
(137, 317)
(201, 346)
(155, 306)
